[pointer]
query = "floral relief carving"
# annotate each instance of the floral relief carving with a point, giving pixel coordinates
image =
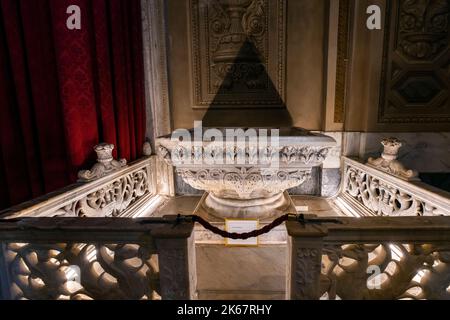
(307, 271)
(244, 183)
(288, 155)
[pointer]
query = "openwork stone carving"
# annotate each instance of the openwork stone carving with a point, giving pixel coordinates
(388, 161)
(382, 198)
(105, 163)
(407, 271)
(112, 199)
(107, 271)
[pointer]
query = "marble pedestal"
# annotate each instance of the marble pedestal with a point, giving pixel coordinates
(244, 172)
(241, 272)
(244, 273)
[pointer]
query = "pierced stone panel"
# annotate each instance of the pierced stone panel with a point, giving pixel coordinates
(78, 271)
(238, 52)
(385, 271)
(416, 56)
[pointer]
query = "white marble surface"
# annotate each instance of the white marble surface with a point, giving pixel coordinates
(333, 159)
(241, 272)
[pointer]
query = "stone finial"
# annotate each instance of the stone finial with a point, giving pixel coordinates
(147, 149)
(105, 163)
(388, 161)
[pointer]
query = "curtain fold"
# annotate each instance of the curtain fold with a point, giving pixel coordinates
(63, 91)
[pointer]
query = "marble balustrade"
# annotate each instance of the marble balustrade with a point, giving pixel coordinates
(125, 192)
(367, 191)
(370, 258)
(96, 258)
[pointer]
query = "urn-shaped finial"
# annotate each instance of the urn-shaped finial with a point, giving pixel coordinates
(388, 161)
(105, 163)
(104, 152)
(391, 146)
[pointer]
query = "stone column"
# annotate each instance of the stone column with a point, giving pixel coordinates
(304, 261)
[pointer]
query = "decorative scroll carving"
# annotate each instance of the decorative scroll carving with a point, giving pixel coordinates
(388, 161)
(382, 198)
(414, 82)
(244, 183)
(407, 271)
(112, 199)
(105, 163)
(235, 52)
(107, 271)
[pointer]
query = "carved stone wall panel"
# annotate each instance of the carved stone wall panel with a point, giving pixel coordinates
(238, 53)
(415, 80)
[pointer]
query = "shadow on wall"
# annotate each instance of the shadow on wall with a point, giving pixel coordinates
(241, 71)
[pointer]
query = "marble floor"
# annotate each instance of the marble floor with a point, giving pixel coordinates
(244, 273)
(307, 204)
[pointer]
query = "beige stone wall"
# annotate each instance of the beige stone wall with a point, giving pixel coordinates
(310, 77)
(305, 57)
(366, 78)
(306, 78)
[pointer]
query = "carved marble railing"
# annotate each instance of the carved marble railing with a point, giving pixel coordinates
(370, 258)
(96, 258)
(367, 191)
(124, 192)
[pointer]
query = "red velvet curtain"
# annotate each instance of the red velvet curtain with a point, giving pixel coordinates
(63, 91)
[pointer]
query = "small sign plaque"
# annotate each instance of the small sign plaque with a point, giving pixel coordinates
(241, 226)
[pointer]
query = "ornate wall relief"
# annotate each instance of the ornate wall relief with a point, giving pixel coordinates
(416, 75)
(238, 52)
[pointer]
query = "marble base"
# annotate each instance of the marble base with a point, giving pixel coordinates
(241, 273)
(277, 236)
(244, 273)
(262, 209)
